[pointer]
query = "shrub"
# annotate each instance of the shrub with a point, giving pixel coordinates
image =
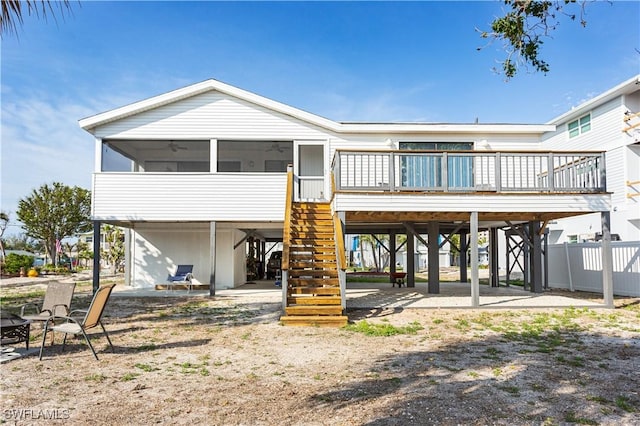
(13, 262)
(56, 270)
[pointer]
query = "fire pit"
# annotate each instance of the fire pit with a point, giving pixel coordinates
(14, 329)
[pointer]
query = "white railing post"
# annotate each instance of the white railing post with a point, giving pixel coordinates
(550, 181)
(498, 166)
(392, 172)
(602, 166)
(336, 172)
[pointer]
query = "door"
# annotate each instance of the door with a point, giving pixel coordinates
(309, 168)
(425, 170)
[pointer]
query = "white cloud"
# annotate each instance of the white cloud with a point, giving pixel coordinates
(376, 105)
(42, 143)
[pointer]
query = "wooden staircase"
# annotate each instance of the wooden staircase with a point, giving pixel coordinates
(313, 286)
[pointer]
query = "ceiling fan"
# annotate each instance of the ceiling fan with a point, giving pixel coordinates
(276, 147)
(175, 147)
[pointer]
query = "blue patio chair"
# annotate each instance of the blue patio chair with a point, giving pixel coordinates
(183, 275)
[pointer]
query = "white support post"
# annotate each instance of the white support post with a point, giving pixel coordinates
(342, 274)
(607, 260)
(127, 257)
(212, 256)
(284, 283)
(475, 281)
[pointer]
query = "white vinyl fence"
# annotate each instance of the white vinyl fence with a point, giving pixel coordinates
(579, 267)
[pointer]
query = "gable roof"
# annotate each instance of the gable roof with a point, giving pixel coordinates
(92, 122)
(627, 87)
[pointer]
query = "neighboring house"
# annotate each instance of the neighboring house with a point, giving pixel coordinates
(196, 173)
(87, 238)
(609, 122)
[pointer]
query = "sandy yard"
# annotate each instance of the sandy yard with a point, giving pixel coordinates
(226, 360)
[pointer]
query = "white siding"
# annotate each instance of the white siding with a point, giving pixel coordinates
(159, 247)
(210, 115)
(468, 202)
(605, 133)
(616, 176)
(189, 196)
(231, 265)
(156, 252)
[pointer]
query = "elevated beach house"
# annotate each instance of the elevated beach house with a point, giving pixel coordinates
(196, 174)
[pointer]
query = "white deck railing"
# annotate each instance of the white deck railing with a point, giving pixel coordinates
(457, 171)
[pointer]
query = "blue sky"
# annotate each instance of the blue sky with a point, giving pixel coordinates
(347, 61)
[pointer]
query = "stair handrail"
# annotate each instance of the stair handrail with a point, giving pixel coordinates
(342, 258)
(286, 237)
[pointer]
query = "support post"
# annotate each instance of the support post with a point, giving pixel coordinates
(536, 257)
(342, 273)
(463, 256)
(212, 257)
(607, 260)
(96, 255)
(475, 277)
(392, 255)
(433, 230)
(494, 278)
(526, 262)
(127, 256)
(411, 264)
(263, 258)
(545, 254)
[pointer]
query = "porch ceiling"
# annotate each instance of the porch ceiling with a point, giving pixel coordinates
(369, 217)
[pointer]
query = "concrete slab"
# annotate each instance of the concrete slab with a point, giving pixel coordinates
(382, 295)
(454, 295)
(9, 353)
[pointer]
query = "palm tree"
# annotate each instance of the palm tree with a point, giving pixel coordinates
(13, 10)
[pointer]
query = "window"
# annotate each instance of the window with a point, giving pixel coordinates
(579, 126)
(179, 156)
(254, 156)
(424, 170)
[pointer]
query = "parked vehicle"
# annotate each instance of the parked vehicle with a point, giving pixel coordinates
(274, 264)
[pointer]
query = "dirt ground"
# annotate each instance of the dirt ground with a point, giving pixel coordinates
(226, 360)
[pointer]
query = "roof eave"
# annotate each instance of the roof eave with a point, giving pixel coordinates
(448, 128)
(626, 87)
(94, 121)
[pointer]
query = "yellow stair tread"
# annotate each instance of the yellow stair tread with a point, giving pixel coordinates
(314, 300)
(314, 310)
(315, 321)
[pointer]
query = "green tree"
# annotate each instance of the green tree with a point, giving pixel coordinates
(13, 11)
(84, 253)
(23, 242)
(55, 212)
(524, 28)
(113, 252)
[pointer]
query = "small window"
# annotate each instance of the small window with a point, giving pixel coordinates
(572, 239)
(579, 126)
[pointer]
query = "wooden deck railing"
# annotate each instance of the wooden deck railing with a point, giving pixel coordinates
(469, 171)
